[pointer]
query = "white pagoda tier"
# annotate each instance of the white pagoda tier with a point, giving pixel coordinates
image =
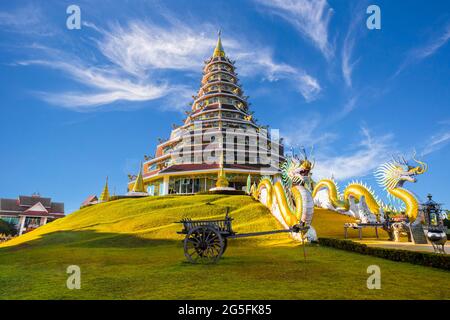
(218, 137)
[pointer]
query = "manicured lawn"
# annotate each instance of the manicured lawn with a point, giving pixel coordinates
(129, 249)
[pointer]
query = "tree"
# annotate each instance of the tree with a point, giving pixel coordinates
(7, 228)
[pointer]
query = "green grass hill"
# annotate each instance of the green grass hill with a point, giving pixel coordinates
(129, 249)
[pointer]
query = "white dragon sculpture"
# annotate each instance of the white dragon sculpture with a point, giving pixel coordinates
(289, 199)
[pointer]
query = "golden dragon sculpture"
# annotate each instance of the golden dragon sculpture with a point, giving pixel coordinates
(391, 176)
(290, 199)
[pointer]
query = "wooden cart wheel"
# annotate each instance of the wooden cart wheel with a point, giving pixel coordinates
(203, 244)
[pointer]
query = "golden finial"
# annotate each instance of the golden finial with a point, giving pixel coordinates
(218, 51)
(139, 183)
(105, 193)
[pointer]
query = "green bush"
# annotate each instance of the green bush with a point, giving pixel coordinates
(7, 228)
(447, 223)
(434, 260)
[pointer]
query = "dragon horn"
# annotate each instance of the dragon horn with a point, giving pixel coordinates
(423, 165)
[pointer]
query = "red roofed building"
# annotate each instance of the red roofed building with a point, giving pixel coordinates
(30, 212)
(90, 200)
(219, 125)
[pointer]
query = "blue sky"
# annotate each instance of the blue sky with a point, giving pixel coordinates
(80, 105)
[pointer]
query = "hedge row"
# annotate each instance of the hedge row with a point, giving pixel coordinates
(434, 260)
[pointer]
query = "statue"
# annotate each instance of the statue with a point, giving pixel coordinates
(290, 199)
(391, 176)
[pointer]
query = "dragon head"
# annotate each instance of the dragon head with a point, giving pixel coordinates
(394, 173)
(296, 171)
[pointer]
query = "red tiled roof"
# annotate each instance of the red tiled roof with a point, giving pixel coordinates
(15, 207)
(150, 173)
(89, 200)
(29, 201)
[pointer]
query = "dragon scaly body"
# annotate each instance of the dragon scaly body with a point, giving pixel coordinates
(391, 176)
(289, 200)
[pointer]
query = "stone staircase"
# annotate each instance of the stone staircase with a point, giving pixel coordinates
(418, 234)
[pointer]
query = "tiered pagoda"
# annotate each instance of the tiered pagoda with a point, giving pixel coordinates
(220, 106)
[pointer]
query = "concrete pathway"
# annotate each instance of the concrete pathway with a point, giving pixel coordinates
(401, 245)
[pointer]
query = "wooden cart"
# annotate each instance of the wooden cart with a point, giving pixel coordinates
(207, 240)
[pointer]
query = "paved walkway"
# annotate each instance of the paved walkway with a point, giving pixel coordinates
(401, 245)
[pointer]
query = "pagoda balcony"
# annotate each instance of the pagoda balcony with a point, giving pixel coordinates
(220, 69)
(231, 95)
(217, 131)
(219, 80)
(224, 106)
(233, 75)
(221, 61)
(210, 83)
(219, 91)
(234, 146)
(218, 149)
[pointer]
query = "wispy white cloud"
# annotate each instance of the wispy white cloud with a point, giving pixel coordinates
(26, 20)
(360, 161)
(142, 47)
(433, 46)
(310, 17)
(308, 86)
(261, 62)
(420, 53)
(350, 104)
(139, 60)
(110, 84)
(347, 64)
(368, 154)
(353, 33)
(437, 142)
(307, 131)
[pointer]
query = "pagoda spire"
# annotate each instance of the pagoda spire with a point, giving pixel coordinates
(218, 51)
(139, 184)
(105, 193)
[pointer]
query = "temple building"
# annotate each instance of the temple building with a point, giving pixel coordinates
(219, 134)
(30, 212)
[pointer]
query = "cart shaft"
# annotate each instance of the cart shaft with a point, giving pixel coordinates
(262, 233)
